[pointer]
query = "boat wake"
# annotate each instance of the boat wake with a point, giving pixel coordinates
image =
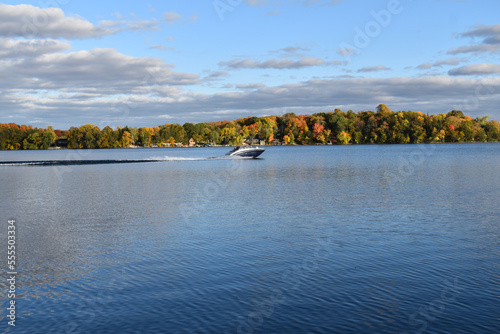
(169, 158)
(109, 161)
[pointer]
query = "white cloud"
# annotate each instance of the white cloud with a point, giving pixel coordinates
(291, 50)
(161, 47)
(374, 69)
(34, 22)
(443, 62)
(450, 61)
(104, 69)
(10, 48)
(276, 64)
(476, 69)
(475, 49)
(215, 76)
(490, 43)
(171, 17)
(425, 66)
(30, 21)
(346, 51)
(131, 25)
(427, 94)
(250, 86)
(483, 31)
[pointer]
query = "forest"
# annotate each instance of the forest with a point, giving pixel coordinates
(382, 126)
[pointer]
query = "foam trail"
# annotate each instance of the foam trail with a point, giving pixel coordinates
(69, 162)
(169, 158)
(107, 161)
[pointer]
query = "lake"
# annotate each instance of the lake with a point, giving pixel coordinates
(306, 239)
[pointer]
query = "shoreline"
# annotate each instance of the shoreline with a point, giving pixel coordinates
(133, 147)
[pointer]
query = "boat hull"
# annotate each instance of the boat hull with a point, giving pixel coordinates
(248, 153)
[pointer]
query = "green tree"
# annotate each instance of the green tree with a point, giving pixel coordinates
(30, 143)
(48, 138)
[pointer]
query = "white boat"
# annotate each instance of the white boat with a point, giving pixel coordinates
(246, 151)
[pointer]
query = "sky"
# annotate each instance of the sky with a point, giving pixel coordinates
(68, 63)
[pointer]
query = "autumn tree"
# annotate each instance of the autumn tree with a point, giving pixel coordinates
(380, 127)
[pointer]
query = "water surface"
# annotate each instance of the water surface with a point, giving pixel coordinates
(326, 239)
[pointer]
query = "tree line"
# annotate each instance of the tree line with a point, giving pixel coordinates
(382, 126)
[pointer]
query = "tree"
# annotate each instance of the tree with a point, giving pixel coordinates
(145, 135)
(384, 110)
(228, 135)
(344, 138)
(48, 138)
(382, 126)
(30, 143)
(126, 139)
(320, 134)
(492, 131)
(106, 138)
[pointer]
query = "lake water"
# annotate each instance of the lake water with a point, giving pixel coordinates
(318, 239)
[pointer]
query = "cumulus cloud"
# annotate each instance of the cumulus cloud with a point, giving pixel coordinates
(476, 69)
(424, 66)
(130, 25)
(483, 31)
(171, 17)
(215, 76)
(450, 61)
(291, 50)
(490, 42)
(30, 21)
(161, 47)
(373, 69)
(10, 48)
(250, 86)
(276, 64)
(427, 94)
(443, 62)
(104, 69)
(34, 22)
(346, 51)
(475, 49)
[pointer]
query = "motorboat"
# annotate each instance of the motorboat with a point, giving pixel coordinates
(246, 151)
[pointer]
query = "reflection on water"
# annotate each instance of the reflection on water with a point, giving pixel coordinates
(338, 239)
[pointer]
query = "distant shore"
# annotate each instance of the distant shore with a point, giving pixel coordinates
(344, 128)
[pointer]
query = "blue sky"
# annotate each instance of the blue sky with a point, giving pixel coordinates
(70, 62)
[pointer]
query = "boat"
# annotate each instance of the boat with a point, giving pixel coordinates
(246, 151)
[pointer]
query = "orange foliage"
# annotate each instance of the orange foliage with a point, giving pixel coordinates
(317, 130)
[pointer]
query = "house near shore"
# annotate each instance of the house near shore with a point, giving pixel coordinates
(63, 142)
(191, 142)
